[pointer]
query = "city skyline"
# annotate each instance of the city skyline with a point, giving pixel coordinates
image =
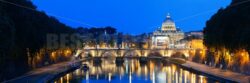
(142, 17)
(125, 41)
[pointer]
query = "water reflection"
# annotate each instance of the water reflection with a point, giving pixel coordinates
(131, 71)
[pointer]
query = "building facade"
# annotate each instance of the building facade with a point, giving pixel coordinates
(167, 36)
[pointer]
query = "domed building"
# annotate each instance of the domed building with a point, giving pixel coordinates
(168, 24)
(167, 36)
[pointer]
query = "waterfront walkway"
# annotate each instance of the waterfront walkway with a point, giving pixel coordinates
(229, 75)
(42, 75)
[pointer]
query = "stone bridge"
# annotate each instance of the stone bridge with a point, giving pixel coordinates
(135, 52)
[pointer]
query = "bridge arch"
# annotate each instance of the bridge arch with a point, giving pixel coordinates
(86, 53)
(131, 53)
(108, 53)
(155, 53)
(180, 54)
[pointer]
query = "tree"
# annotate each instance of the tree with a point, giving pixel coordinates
(21, 29)
(229, 27)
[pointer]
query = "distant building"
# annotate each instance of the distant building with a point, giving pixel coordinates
(195, 40)
(167, 36)
(195, 34)
(196, 44)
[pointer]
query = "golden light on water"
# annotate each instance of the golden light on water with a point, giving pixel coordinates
(61, 79)
(193, 78)
(153, 71)
(109, 75)
(67, 77)
(186, 75)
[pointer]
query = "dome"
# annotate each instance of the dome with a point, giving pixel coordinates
(168, 20)
(168, 24)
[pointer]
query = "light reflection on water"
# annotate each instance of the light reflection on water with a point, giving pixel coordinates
(131, 71)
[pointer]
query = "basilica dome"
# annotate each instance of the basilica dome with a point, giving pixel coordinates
(168, 24)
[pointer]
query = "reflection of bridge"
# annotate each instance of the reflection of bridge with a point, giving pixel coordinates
(133, 52)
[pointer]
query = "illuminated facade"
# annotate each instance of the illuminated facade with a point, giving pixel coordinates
(168, 36)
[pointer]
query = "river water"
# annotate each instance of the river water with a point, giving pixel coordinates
(134, 71)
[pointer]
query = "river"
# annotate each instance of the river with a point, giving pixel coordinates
(134, 71)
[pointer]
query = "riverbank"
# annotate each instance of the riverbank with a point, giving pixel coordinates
(44, 74)
(216, 72)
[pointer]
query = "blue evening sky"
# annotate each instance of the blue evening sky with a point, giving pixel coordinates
(132, 16)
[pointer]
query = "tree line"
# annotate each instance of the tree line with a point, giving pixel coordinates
(227, 37)
(22, 29)
(229, 27)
